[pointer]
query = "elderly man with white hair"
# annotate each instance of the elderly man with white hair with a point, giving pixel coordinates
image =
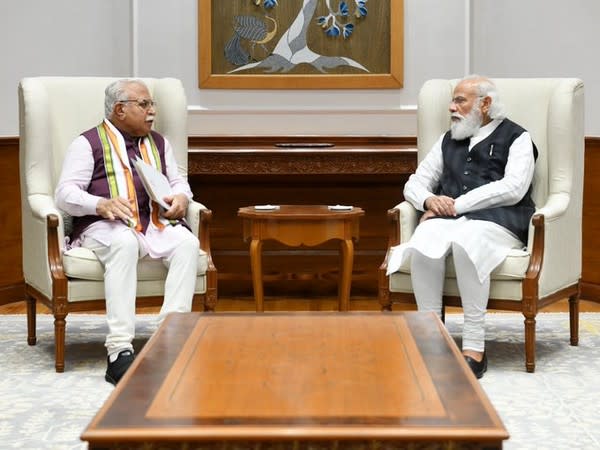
(474, 189)
(114, 216)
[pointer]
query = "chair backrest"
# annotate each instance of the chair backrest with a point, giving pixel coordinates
(55, 110)
(551, 109)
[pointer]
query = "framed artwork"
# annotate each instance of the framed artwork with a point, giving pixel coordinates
(300, 44)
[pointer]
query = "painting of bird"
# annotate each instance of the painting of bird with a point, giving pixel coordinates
(253, 31)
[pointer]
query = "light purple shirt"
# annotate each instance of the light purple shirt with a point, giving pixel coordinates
(72, 197)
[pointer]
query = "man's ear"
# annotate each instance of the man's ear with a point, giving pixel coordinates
(119, 110)
(486, 102)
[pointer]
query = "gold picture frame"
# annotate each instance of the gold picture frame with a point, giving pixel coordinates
(241, 43)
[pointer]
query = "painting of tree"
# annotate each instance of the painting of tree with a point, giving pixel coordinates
(300, 43)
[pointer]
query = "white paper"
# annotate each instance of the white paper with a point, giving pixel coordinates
(266, 207)
(340, 208)
(155, 183)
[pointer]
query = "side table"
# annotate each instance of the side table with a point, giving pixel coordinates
(296, 225)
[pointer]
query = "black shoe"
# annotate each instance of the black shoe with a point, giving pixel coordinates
(116, 369)
(478, 367)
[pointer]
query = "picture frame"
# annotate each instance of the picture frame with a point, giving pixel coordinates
(244, 44)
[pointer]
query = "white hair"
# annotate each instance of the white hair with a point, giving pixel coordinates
(486, 88)
(115, 93)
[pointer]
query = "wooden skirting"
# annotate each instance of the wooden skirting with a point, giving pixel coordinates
(12, 293)
(227, 172)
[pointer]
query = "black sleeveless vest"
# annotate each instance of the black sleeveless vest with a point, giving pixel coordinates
(466, 170)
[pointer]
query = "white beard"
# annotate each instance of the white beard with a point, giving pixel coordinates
(466, 126)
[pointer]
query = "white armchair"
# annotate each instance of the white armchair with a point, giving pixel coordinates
(53, 111)
(550, 269)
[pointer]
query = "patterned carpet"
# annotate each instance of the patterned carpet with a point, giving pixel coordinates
(557, 407)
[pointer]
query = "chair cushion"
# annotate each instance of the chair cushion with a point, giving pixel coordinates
(81, 263)
(512, 268)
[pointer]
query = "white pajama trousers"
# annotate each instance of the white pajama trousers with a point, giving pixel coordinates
(427, 277)
(120, 260)
(477, 248)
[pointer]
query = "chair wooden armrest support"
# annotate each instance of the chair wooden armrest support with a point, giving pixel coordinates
(210, 300)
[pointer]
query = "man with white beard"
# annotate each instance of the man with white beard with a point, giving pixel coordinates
(474, 189)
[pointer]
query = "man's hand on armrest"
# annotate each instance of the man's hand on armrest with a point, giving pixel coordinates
(179, 204)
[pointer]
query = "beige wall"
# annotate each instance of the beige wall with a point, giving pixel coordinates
(156, 38)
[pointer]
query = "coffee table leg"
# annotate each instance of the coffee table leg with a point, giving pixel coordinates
(345, 281)
(256, 268)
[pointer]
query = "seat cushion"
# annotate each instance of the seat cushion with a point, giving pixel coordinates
(81, 263)
(512, 268)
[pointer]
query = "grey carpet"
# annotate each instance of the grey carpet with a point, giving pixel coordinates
(557, 407)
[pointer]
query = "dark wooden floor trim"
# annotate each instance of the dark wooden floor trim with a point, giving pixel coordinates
(13, 293)
(590, 291)
(8, 142)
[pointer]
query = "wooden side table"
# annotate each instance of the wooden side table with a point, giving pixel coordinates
(296, 225)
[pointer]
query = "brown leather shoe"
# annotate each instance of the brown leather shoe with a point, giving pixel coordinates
(478, 367)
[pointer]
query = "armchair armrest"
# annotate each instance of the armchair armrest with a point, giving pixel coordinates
(556, 205)
(198, 218)
(43, 208)
(408, 220)
(54, 226)
(554, 243)
(402, 221)
(192, 216)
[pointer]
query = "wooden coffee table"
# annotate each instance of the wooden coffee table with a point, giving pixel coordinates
(297, 225)
(298, 380)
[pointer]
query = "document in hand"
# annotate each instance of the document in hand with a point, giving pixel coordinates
(156, 184)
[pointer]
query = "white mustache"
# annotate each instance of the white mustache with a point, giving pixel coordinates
(149, 118)
(457, 116)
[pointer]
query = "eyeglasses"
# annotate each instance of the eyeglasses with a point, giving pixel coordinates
(144, 104)
(460, 100)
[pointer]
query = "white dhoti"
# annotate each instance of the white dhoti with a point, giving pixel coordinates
(477, 247)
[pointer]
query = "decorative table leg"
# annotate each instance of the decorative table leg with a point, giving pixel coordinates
(347, 256)
(256, 268)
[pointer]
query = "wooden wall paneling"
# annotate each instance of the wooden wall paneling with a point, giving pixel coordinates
(229, 172)
(590, 286)
(11, 267)
(368, 172)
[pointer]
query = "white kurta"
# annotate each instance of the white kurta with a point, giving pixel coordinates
(486, 243)
(119, 247)
(72, 197)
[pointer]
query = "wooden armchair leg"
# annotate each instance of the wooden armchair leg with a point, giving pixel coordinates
(210, 298)
(530, 344)
(574, 318)
(384, 291)
(31, 320)
(59, 342)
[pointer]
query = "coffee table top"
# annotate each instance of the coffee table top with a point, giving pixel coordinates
(298, 376)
